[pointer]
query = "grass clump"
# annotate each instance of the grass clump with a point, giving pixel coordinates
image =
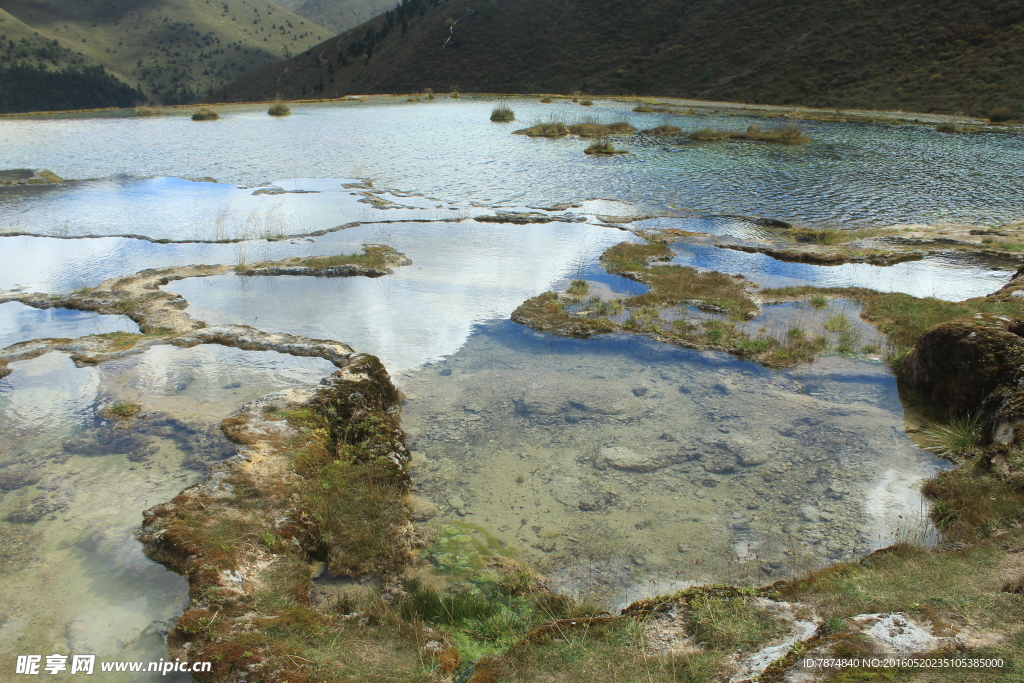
(663, 130)
(205, 114)
(578, 288)
(790, 134)
(594, 649)
(972, 501)
(502, 114)
(596, 130)
(732, 623)
(551, 129)
(279, 109)
(604, 148)
(149, 111)
(831, 236)
(709, 291)
(359, 509)
(960, 435)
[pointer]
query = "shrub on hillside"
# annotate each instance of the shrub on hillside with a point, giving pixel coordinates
(1000, 114)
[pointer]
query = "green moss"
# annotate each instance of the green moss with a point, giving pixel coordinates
(121, 340)
(123, 409)
(50, 177)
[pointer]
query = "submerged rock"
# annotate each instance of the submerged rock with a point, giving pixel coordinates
(12, 478)
(622, 458)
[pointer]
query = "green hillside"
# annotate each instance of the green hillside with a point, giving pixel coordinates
(173, 51)
(37, 73)
(338, 15)
(937, 55)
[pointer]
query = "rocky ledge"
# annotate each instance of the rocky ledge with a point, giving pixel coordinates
(246, 537)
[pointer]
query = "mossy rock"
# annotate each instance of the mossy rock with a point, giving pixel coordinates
(959, 363)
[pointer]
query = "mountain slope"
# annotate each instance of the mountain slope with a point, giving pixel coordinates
(937, 55)
(338, 15)
(173, 50)
(37, 73)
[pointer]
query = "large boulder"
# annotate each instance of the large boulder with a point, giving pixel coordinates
(959, 364)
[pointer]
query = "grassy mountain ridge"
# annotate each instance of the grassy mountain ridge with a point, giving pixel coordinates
(943, 56)
(37, 73)
(171, 50)
(338, 15)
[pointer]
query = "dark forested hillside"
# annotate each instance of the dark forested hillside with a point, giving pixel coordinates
(922, 55)
(26, 88)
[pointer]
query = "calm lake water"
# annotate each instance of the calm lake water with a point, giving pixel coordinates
(620, 466)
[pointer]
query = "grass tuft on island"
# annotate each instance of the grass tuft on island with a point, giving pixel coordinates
(205, 114)
(604, 148)
(790, 134)
(585, 129)
(279, 109)
(149, 111)
(663, 130)
(502, 114)
(833, 236)
(374, 258)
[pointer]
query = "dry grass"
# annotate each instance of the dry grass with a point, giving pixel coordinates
(551, 129)
(790, 134)
(604, 148)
